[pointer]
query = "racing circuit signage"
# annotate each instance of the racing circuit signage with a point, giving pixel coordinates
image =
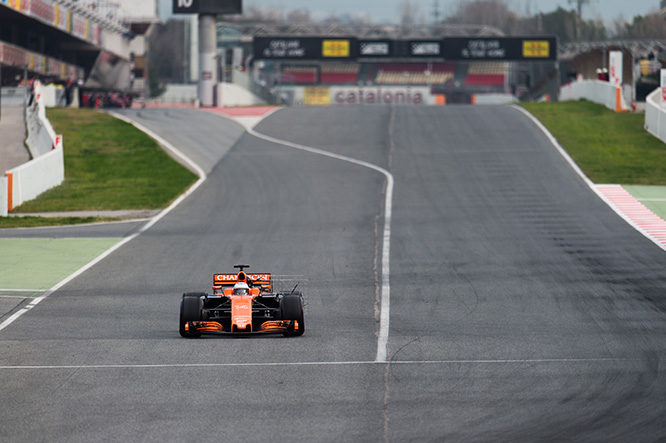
(378, 96)
(500, 48)
(304, 48)
(358, 95)
(537, 48)
(207, 6)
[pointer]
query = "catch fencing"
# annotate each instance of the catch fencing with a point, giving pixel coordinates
(47, 167)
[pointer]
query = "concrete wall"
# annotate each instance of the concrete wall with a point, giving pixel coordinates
(655, 115)
(494, 99)
(41, 136)
(45, 170)
(595, 91)
(38, 175)
(228, 94)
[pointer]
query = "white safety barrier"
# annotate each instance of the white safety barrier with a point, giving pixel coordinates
(47, 168)
(493, 99)
(655, 115)
(41, 136)
(596, 91)
(3, 196)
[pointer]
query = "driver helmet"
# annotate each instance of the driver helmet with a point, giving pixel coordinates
(241, 288)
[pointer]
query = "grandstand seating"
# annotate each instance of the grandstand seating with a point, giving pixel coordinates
(339, 73)
(301, 75)
(414, 73)
(486, 74)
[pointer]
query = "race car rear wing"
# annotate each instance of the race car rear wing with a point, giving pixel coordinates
(263, 281)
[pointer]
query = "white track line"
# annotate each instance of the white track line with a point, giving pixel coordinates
(202, 177)
(589, 182)
(322, 363)
(22, 290)
(384, 316)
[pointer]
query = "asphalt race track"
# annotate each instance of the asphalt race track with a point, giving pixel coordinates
(522, 307)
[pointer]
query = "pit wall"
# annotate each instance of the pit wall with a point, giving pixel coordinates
(596, 91)
(47, 167)
(655, 115)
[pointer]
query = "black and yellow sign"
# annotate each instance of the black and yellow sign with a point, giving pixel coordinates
(529, 48)
(317, 96)
(335, 48)
(536, 48)
(500, 48)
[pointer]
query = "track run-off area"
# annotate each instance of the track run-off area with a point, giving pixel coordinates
(522, 307)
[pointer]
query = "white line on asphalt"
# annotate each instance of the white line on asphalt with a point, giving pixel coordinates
(202, 177)
(384, 316)
(21, 290)
(23, 297)
(320, 363)
(587, 181)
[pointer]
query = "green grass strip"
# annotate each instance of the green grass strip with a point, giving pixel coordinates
(109, 164)
(40, 263)
(610, 147)
(33, 222)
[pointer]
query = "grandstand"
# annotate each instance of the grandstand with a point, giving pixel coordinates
(339, 73)
(414, 73)
(89, 42)
(299, 75)
(487, 74)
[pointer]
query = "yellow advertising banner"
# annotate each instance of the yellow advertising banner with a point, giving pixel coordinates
(316, 96)
(87, 33)
(335, 48)
(536, 48)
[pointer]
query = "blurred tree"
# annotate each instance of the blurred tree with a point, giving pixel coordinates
(642, 26)
(410, 13)
(563, 24)
(488, 12)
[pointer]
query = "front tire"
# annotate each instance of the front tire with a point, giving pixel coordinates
(190, 310)
(291, 308)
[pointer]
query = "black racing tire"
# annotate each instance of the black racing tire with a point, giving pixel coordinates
(291, 308)
(190, 310)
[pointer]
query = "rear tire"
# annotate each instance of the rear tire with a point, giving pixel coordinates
(291, 308)
(190, 310)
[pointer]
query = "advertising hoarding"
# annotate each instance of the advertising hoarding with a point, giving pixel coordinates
(500, 48)
(615, 68)
(375, 48)
(304, 48)
(537, 48)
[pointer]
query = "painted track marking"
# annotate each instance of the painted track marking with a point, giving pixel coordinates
(202, 177)
(652, 225)
(587, 181)
(324, 363)
(384, 316)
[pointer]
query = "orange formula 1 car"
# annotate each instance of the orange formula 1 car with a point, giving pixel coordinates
(242, 304)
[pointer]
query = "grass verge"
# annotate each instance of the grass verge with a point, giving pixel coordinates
(33, 222)
(610, 147)
(109, 164)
